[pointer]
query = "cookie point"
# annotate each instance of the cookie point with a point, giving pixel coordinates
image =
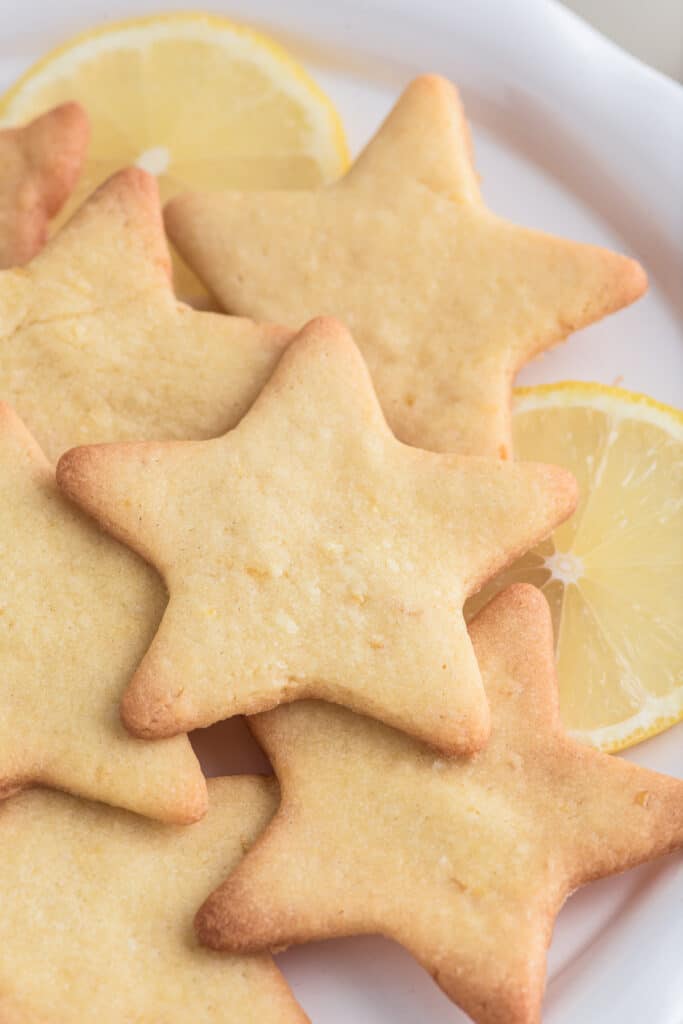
(178, 213)
(176, 203)
(146, 719)
(197, 804)
(636, 280)
(327, 326)
(478, 733)
(524, 596)
(431, 82)
(67, 469)
(521, 604)
(180, 203)
(230, 921)
(207, 927)
(129, 181)
(71, 113)
(566, 490)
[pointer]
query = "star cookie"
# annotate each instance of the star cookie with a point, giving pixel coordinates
(39, 166)
(446, 300)
(77, 612)
(94, 346)
(308, 553)
(465, 862)
(96, 920)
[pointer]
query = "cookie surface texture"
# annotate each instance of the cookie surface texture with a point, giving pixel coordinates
(446, 300)
(77, 611)
(310, 553)
(94, 346)
(39, 166)
(465, 862)
(97, 906)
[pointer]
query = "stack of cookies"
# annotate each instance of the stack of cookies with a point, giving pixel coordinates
(285, 522)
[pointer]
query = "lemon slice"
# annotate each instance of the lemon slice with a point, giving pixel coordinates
(612, 573)
(198, 101)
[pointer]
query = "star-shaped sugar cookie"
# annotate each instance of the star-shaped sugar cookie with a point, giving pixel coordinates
(39, 165)
(94, 346)
(97, 905)
(445, 299)
(77, 611)
(310, 553)
(465, 862)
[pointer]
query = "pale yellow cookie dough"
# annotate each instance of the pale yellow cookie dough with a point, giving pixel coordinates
(310, 553)
(77, 612)
(39, 166)
(94, 346)
(96, 918)
(466, 862)
(445, 299)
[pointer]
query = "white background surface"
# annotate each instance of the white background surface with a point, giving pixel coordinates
(573, 137)
(652, 30)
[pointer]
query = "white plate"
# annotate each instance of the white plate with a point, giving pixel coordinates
(572, 136)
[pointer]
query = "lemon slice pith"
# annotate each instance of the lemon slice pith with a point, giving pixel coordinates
(612, 573)
(197, 100)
